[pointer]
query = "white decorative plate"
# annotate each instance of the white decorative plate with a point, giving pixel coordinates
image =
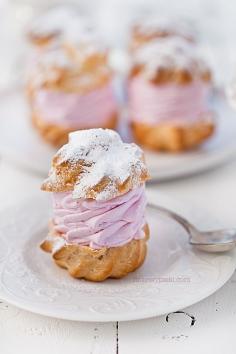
(20, 143)
(173, 276)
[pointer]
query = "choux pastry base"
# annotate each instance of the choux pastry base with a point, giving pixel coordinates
(98, 264)
(172, 138)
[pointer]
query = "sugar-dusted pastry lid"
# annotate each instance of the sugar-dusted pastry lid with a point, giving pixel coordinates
(170, 59)
(147, 28)
(66, 68)
(96, 164)
(76, 60)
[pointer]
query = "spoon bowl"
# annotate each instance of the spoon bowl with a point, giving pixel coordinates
(208, 241)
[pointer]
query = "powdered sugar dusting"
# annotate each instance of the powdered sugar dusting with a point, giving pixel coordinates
(55, 57)
(106, 156)
(170, 53)
(48, 66)
(57, 242)
(75, 40)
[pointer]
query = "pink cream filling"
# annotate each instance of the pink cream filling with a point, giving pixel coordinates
(154, 104)
(98, 224)
(74, 110)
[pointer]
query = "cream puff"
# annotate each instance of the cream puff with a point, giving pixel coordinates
(169, 88)
(70, 87)
(98, 228)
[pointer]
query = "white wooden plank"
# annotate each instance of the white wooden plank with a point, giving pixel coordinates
(23, 331)
(214, 329)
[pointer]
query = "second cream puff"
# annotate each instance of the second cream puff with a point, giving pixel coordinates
(169, 88)
(70, 88)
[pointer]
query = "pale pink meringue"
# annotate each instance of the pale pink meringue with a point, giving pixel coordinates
(98, 224)
(153, 104)
(73, 110)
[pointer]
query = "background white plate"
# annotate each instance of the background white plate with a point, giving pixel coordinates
(172, 277)
(20, 143)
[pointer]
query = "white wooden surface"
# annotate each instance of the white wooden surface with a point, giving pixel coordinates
(215, 317)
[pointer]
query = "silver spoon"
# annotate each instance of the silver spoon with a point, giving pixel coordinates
(208, 241)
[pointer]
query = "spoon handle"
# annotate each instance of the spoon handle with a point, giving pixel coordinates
(171, 214)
